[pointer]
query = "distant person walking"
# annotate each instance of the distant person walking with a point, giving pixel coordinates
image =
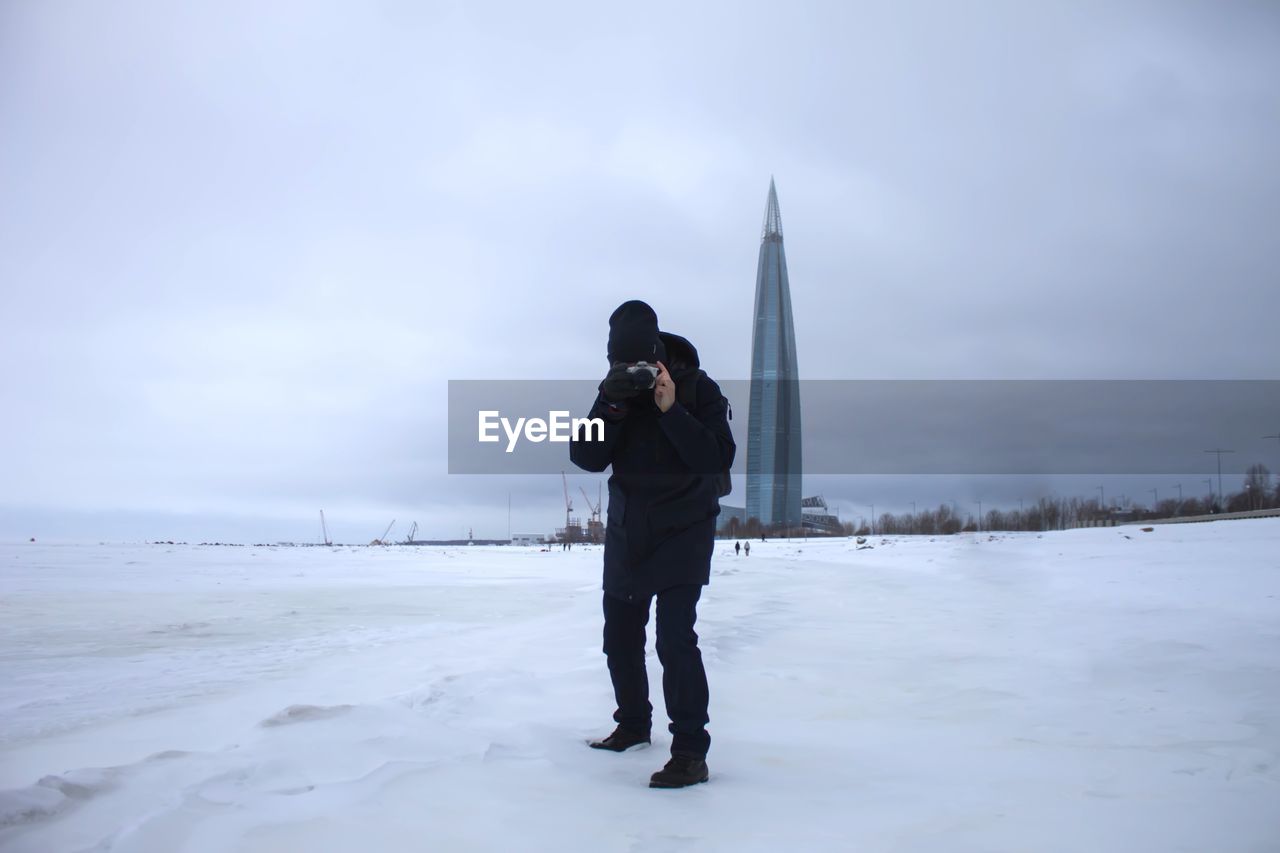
(747, 548)
(737, 548)
(667, 438)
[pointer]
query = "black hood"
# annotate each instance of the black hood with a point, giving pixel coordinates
(682, 357)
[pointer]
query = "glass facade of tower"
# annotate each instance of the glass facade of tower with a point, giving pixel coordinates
(773, 425)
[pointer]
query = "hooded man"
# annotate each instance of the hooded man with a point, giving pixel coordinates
(667, 437)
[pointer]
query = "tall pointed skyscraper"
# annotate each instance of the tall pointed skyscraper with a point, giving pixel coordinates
(773, 425)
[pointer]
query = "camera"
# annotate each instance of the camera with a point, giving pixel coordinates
(643, 375)
(627, 379)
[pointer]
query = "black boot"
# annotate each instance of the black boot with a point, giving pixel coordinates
(682, 770)
(621, 740)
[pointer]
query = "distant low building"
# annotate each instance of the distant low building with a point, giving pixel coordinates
(815, 516)
(730, 514)
(527, 539)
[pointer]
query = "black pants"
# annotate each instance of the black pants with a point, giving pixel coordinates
(684, 681)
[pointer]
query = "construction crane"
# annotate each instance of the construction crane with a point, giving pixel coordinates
(572, 530)
(382, 540)
(413, 531)
(324, 531)
(568, 504)
(595, 528)
(594, 507)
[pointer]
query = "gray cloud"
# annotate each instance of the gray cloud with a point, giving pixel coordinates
(243, 248)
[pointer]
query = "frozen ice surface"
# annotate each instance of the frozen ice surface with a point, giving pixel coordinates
(1104, 689)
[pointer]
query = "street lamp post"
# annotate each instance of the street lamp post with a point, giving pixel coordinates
(1276, 436)
(1221, 495)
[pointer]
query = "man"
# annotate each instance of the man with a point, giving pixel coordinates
(667, 437)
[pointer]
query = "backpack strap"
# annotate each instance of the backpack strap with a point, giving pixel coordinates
(687, 390)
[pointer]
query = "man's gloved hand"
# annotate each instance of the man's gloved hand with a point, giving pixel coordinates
(618, 384)
(613, 410)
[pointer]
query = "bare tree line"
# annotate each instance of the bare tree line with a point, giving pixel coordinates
(1256, 492)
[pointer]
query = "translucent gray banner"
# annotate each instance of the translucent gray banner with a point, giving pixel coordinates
(920, 426)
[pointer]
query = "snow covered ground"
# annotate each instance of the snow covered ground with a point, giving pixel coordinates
(1102, 690)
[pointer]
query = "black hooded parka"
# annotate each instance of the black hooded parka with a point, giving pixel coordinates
(663, 492)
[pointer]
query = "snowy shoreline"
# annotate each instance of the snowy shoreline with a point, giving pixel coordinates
(1102, 689)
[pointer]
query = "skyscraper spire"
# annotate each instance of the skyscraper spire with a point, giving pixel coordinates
(772, 215)
(773, 423)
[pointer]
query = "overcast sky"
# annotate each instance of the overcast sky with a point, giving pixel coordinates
(243, 246)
